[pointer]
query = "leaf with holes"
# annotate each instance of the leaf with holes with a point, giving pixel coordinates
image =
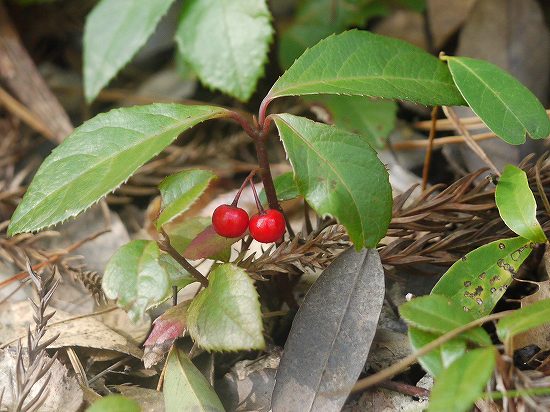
(226, 316)
(517, 206)
(458, 386)
(141, 277)
(99, 156)
(505, 105)
(479, 279)
(285, 187)
(440, 358)
(438, 314)
(366, 64)
(185, 388)
(359, 197)
(180, 191)
(331, 335)
(226, 42)
(115, 30)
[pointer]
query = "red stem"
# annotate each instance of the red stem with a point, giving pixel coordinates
(263, 109)
(248, 179)
(259, 135)
(256, 198)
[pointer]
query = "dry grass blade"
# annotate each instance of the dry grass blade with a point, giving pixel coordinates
(437, 227)
(31, 370)
(316, 251)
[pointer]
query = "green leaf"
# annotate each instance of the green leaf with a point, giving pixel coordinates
(458, 387)
(316, 19)
(438, 314)
(359, 197)
(98, 156)
(180, 191)
(438, 359)
(372, 119)
(185, 388)
(479, 279)
(226, 315)
(517, 206)
(115, 30)
(505, 105)
(521, 320)
(114, 403)
(208, 244)
(285, 187)
(226, 42)
(140, 277)
(365, 64)
(182, 233)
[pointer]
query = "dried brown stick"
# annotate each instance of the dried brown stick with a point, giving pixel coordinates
(428, 156)
(472, 144)
(25, 115)
(473, 122)
(20, 74)
(440, 142)
(52, 259)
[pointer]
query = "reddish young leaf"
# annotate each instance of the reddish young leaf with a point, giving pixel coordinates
(166, 329)
(208, 244)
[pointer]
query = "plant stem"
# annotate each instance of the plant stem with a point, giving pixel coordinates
(265, 173)
(257, 199)
(259, 134)
(168, 248)
(245, 182)
(404, 363)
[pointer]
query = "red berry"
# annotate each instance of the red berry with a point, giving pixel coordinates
(229, 221)
(267, 226)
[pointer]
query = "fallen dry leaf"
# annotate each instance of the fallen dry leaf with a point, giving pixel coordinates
(64, 393)
(538, 336)
(85, 332)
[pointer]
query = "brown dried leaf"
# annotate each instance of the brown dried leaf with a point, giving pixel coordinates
(85, 332)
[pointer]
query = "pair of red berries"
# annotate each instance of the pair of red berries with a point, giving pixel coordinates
(231, 221)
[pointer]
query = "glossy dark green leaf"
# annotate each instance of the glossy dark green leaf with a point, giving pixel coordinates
(180, 191)
(285, 186)
(226, 316)
(521, 320)
(115, 30)
(114, 403)
(365, 64)
(479, 279)
(98, 156)
(339, 174)
(438, 359)
(438, 314)
(457, 387)
(517, 206)
(226, 42)
(185, 388)
(139, 276)
(505, 105)
(372, 119)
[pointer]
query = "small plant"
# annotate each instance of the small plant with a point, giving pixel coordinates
(337, 172)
